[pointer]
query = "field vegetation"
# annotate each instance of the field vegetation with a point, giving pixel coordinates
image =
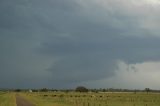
(82, 97)
(93, 99)
(7, 99)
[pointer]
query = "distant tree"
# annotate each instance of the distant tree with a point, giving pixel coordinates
(135, 91)
(94, 90)
(147, 90)
(81, 89)
(104, 90)
(18, 90)
(34, 90)
(44, 90)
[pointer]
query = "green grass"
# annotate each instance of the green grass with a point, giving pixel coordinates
(97, 99)
(39, 99)
(7, 99)
(1, 92)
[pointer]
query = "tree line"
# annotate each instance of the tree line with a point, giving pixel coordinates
(84, 89)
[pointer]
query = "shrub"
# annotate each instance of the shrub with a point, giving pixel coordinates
(81, 89)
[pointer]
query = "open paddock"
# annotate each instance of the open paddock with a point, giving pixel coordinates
(93, 99)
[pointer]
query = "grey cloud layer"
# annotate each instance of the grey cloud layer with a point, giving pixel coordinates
(57, 43)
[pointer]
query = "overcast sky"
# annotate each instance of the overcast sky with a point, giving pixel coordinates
(66, 43)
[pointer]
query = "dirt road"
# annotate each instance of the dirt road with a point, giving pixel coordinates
(22, 101)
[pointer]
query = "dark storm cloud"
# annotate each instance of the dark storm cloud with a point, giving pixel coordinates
(115, 48)
(84, 61)
(60, 43)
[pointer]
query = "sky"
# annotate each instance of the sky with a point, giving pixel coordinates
(69, 43)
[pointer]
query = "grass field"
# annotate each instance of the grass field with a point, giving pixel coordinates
(93, 99)
(7, 99)
(83, 99)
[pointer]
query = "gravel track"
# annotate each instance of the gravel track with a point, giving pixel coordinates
(21, 101)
